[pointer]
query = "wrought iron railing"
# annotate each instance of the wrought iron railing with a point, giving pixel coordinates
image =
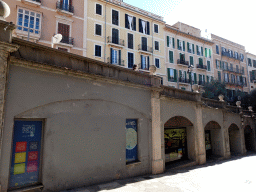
(145, 48)
(67, 40)
(115, 40)
(65, 7)
(201, 66)
(183, 62)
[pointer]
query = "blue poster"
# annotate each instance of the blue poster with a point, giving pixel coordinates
(131, 140)
(25, 164)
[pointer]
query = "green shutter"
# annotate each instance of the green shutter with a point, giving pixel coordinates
(168, 41)
(193, 48)
(191, 60)
(216, 63)
(170, 57)
(195, 77)
(178, 43)
(183, 45)
(173, 43)
(180, 73)
(208, 79)
(187, 45)
(205, 52)
(175, 75)
(197, 49)
(168, 73)
(204, 78)
(208, 66)
(210, 53)
(202, 51)
(185, 72)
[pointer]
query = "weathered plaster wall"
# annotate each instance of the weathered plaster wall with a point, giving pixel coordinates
(84, 133)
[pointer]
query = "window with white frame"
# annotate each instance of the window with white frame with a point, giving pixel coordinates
(130, 22)
(29, 21)
(156, 28)
(97, 50)
(98, 9)
(115, 17)
(157, 63)
(144, 27)
(157, 45)
(98, 29)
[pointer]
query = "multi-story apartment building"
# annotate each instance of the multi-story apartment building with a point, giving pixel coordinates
(124, 35)
(188, 57)
(40, 20)
(251, 67)
(230, 65)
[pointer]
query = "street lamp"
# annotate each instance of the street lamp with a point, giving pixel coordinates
(190, 69)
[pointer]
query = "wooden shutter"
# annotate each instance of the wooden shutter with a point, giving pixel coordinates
(195, 78)
(120, 57)
(126, 22)
(206, 55)
(185, 73)
(175, 75)
(173, 43)
(148, 28)
(188, 46)
(168, 41)
(193, 48)
(208, 65)
(202, 51)
(170, 56)
(134, 24)
(140, 26)
(184, 46)
(111, 52)
(178, 43)
(169, 74)
(197, 49)
(63, 29)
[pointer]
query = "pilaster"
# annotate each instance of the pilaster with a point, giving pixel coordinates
(157, 161)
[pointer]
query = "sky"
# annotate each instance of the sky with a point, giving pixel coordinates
(231, 19)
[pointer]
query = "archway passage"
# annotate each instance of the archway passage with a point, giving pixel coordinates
(234, 140)
(213, 140)
(249, 138)
(178, 137)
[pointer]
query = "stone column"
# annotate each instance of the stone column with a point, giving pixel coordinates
(5, 49)
(157, 161)
(200, 135)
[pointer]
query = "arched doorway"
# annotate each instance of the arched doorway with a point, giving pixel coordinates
(234, 139)
(213, 140)
(179, 140)
(248, 138)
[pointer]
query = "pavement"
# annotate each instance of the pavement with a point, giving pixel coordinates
(237, 174)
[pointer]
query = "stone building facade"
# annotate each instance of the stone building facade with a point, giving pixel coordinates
(251, 66)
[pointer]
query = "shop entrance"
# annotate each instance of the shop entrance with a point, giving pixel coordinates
(179, 140)
(213, 140)
(249, 139)
(234, 140)
(175, 144)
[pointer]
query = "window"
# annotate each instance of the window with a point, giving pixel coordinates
(189, 47)
(208, 66)
(217, 50)
(144, 62)
(144, 27)
(172, 75)
(64, 30)
(249, 62)
(65, 5)
(156, 28)
(226, 77)
(29, 20)
(98, 29)
(170, 56)
(130, 41)
(115, 56)
(200, 61)
(243, 70)
(131, 140)
(115, 36)
(179, 44)
(130, 60)
(157, 45)
(217, 64)
(115, 20)
(244, 81)
(157, 63)
(254, 63)
(144, 43)
(98, 9)
(170, 42)
(130, 22)
(98, 50)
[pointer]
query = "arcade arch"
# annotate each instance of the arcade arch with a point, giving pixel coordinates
(234, 139)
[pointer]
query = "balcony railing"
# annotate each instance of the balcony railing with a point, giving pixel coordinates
(67, 40)
(184, 80)
(119, 62)
(143, 66)
(142, 47)
(182, 62)
(201, 82)
(201, 66)
(65, 7)
(115, 40)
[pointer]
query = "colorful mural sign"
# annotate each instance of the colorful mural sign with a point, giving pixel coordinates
(131, 140)
(25, 154)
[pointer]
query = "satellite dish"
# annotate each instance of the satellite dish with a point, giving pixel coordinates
(56, 39)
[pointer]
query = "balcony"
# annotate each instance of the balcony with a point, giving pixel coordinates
(35, 3)
(201, 83)
(144, 67)
(184, 80)
(67, 40)
(119, 62)
(69, 9)
(115, 41)
(182, 62)
(145, 49)
(203, 67)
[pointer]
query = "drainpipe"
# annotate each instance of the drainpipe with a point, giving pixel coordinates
(152, 41)
(105, 31)
(178, 84)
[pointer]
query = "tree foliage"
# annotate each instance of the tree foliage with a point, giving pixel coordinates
(213, 89)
